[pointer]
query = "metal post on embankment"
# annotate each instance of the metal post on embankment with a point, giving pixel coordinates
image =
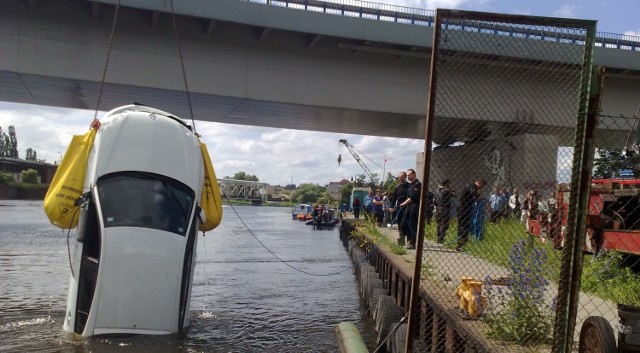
(349, 339)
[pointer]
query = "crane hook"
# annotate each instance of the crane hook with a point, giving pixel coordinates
(339, 159)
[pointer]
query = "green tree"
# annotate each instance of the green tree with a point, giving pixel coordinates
(6, 179)
(13, 143)
(374, 181)
(243, 176)
(346, 193)
(31, 154)
(29, 176)
(307, 193)
(325, 198)
(2, 143)
(611, 161)
(360, 179)
(7, 146)
(390, 183)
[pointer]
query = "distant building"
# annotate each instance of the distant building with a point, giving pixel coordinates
(290, 187)
(335, 188)
(15, 166)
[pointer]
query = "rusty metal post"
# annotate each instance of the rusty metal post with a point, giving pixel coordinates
(572, 253)
(415, 281)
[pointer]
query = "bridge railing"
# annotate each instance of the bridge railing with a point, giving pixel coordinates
(423, 17)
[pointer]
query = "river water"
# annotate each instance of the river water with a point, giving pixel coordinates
(244, 299)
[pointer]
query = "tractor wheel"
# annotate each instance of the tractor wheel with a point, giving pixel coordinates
(596, 336)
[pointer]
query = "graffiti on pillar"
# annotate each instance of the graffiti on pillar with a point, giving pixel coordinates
(495, 164)
(548, 185)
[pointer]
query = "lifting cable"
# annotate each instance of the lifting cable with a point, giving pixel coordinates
(106, 63)
(286, 262)
(184, 73)
(110, 46)
(186, 86)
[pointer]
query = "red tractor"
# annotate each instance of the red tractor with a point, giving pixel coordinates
(613, 219)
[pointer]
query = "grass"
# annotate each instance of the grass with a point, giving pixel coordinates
(604, 276)
(368, 227)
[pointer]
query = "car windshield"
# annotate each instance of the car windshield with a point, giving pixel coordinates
(134, 199)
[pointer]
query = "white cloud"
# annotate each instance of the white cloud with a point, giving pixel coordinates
(570, 11)
(433, 4)
(47, 130)
(276, 156)
(633, 33)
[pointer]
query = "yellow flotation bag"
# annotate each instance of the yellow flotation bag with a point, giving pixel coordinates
(68, 182)
(211, 199)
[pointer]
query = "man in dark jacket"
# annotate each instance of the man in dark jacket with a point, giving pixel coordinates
(469, 195)
(398, 196)
(412, 208)
(443, 201)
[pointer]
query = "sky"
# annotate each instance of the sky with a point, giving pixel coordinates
(281, 156)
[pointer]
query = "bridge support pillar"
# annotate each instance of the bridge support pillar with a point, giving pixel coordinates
(527, 161)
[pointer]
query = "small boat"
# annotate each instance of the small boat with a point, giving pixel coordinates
(302, 212)
(323, 217)
(143, 197)
(298, 209)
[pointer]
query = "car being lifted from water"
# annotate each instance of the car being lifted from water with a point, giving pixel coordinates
(134, 254)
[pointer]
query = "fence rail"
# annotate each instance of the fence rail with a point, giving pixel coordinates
(423, 17)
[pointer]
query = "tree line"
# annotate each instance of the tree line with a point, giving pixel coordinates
(9, 145)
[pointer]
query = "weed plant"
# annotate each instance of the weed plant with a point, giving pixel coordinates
(518, 313)
(607, 276)
(368, 227)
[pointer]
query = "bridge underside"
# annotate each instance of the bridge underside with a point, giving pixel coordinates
(79, 94)
(251, 75)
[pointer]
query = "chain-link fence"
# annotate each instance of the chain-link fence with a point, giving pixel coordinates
(506, 120)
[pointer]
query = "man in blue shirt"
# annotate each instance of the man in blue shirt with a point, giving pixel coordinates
(368, 203)
(497, 201)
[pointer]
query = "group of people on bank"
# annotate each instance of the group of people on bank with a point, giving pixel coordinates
(401, 207)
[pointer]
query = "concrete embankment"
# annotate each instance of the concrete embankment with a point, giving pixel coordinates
(385, 285)
(441, 327)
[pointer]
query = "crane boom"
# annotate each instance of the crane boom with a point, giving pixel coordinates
(355, 155)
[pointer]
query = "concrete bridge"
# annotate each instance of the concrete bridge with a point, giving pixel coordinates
(289, 64)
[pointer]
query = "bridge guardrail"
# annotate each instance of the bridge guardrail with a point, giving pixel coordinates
(423, 17)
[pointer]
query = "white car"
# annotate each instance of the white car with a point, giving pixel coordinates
(134, 254)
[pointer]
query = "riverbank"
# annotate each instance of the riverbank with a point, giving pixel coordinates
(38, 191)
(23, 191)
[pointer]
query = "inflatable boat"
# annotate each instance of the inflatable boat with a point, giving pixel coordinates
(147, 187)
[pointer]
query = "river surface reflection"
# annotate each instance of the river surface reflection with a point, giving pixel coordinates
(244, 299)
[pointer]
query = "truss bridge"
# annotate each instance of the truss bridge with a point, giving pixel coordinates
(253, 191)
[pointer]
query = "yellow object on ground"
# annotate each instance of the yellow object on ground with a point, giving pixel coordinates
(68, 182)
(469, 292)
(211, 199)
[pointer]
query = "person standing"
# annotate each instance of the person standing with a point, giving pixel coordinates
(398, 196)
(529, 208)
(378, 213)
(356, 208)
(368, 203)
(386, 209)
(443, 200)
(431, 204)
(497, 202)
(505, 210)
(515, 203)
(412, 205)
(553, 216)
(467, 201)
(481, 211)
